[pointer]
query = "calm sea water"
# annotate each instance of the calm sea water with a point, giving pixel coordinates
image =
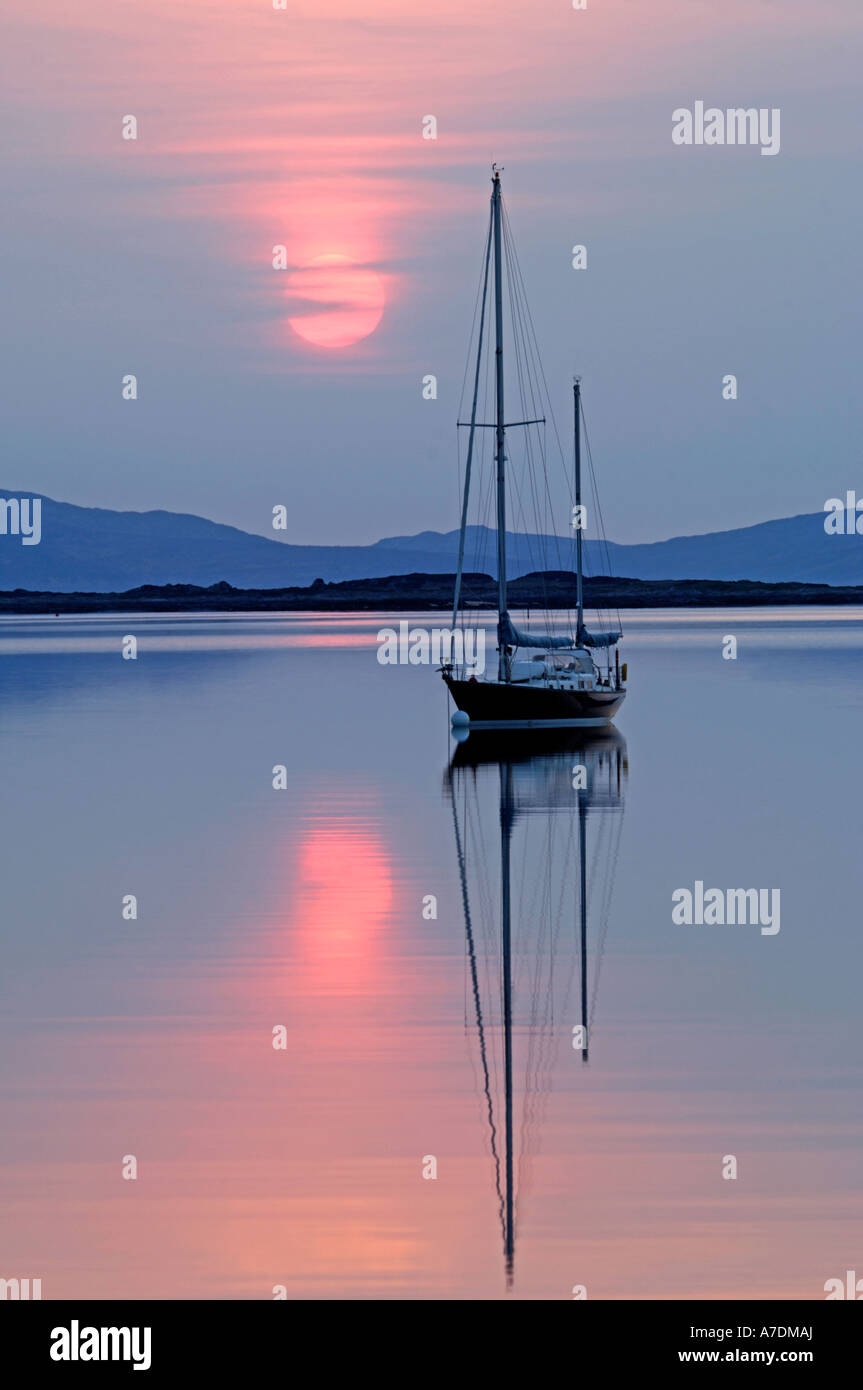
(361, 911)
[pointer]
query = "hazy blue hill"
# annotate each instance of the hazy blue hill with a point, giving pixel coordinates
(795, 548)
(89, 548)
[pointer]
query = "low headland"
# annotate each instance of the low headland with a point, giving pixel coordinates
(432, 592)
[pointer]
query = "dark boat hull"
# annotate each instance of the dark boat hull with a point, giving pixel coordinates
(488, 704)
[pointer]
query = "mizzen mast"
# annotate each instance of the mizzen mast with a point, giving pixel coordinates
(579, 590)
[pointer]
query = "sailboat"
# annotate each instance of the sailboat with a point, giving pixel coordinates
(571, 680)
(529, 943)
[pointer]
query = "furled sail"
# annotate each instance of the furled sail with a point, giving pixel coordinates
(597, 639)
(511, 636)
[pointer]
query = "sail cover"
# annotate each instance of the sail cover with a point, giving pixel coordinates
(510, 635)
(597, 639)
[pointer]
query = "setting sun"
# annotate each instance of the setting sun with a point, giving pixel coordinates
(343, 301)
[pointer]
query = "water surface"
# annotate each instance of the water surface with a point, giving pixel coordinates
(303, 909)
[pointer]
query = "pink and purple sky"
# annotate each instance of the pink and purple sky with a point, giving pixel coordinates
(303, 127)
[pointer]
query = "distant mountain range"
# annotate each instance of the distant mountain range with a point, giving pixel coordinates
(91, 549)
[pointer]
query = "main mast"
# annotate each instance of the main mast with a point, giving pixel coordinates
(500, 428)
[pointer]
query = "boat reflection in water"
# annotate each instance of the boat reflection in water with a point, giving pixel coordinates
(537, 819)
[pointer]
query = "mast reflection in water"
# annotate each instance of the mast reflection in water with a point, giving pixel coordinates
(537, 820)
